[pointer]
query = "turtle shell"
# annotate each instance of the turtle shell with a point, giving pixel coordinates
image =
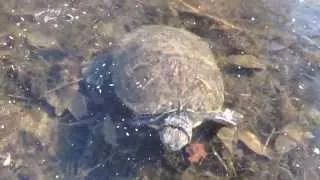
(159, 68)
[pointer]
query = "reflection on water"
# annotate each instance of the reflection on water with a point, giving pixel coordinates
(53, 51)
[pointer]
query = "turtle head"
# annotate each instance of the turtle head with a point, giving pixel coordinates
(176, 132)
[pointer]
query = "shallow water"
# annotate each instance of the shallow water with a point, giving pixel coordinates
(48, 47)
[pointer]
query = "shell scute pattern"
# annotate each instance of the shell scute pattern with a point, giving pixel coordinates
(159, 68)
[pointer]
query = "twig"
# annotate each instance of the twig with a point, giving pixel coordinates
(215, 153)
(268, 140)
(19, 97)
(215, 18)
(78, 123)
(62, 86)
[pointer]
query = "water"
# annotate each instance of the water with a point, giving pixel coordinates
(46, 48)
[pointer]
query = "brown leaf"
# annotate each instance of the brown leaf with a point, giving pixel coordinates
(292, 135)
(227, 137)
(247, 61)
(254, 143)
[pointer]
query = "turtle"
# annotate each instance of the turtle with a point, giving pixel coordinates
(169, 78)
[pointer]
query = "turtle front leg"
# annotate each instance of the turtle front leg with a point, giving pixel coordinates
(226, 117)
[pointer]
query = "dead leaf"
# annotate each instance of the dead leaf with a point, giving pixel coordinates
(227, 137)
(283, 144)
(294, 131)
(292, 135)
(253, 143)
(41, 40)
(247, 61)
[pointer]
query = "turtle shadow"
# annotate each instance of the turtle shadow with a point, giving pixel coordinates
(84, 148)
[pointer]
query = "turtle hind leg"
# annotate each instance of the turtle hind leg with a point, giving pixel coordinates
(226, 117)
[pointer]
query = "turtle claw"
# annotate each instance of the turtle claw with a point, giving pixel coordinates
(228, 117)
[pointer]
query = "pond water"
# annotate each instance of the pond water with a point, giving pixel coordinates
(60, 118)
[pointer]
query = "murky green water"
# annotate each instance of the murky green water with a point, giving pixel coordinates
(268, 51)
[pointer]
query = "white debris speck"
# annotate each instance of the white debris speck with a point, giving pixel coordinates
(57, 177)
(76, 17)
(297, 165)
(2, 126)
(253, 18)
(301, 1)
(238, 75)
(66, 5)
(127, 134)
(21, 18)
(301, 86)
(13, 11)
(122, 119)
(117, 174)
(11, 37)
(125, 128)
(100, 91)
(55, 25)
(7, 161)
(18, 24)
(150, 134)
(5, 44)
(109, 43)
(136, 129)
(316, 151)
(111, 85)
(96, 44)
(24, 30)
(117, 126)
(48, 18)
(293, 20)
(70, 16)
(84, 12)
